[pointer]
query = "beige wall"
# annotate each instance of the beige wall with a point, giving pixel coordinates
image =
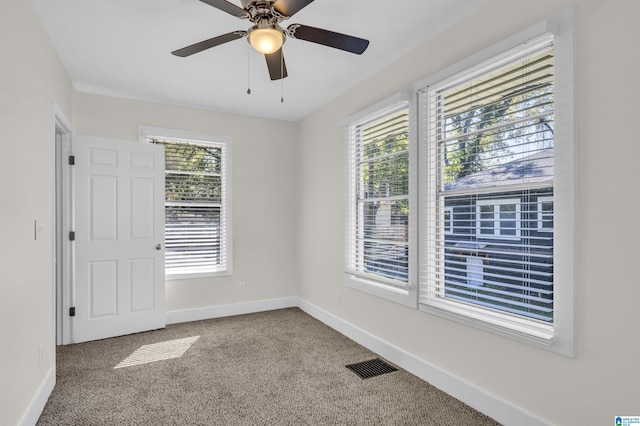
(288, 199)
(263, 191)
(601, 381)
(31, 78)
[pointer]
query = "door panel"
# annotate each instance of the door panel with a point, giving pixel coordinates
(141, 208)
(119, 228)
(103, 289)
(142, 295)
(103, 205)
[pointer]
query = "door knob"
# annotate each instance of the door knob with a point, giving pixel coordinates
(158, 246)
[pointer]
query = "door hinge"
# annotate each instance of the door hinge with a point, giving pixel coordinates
(72, 160)
(72, 312)
(72, 235)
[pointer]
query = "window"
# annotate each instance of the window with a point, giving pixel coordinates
(448, 220)
(197, 207)
(489, 135)
(491, 146)
(378, 202)
(497, 218)
(545, 214)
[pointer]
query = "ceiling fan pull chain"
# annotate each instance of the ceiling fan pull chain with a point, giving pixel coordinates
(281, 78)
(248, 70)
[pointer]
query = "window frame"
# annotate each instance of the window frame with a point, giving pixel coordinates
(146, 133)
(563, 334)
(368, 284)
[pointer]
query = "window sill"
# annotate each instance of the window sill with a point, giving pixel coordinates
(194, 275)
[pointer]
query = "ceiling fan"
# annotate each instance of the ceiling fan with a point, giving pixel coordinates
(267, 36)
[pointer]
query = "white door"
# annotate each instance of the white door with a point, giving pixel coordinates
(118, 279)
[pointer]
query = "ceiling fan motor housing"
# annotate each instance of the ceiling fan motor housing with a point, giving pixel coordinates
(246, 3)
(259, 10)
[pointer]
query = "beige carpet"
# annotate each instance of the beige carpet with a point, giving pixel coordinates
(273, 368)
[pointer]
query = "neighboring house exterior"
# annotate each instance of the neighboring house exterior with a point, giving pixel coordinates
(498, 236)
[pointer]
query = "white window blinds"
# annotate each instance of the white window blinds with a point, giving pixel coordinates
(196, 237)
(377, 240)
(486, 216)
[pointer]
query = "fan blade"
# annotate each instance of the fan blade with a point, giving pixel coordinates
(328, 38)
(276, 65)
(290, 7)
(225, 6)
(207, 44)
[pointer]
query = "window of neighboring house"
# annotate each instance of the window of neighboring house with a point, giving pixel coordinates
(377, 257)
(490, 143)
(197, 202)
(448, 220)
(497, 218)
(545, 214)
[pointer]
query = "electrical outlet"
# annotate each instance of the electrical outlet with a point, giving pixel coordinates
(242, 286)
(338, 298)
(40, 354)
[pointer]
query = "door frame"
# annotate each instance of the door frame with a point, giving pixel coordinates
(62, 222)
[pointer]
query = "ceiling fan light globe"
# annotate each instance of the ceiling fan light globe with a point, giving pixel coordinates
(266, 40)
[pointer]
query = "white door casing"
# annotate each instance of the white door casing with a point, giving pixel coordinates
(119, 238)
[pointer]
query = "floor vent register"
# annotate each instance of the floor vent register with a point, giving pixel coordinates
(371, 368)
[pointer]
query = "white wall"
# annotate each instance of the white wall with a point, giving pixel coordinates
(263, 191)
(601, 381)
(288, 190)
(31, 78)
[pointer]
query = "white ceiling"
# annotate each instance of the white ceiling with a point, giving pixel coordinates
(122, 48)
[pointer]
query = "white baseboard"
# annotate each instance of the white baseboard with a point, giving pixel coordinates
(34, 410)
(197, 314)
(494, 407)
